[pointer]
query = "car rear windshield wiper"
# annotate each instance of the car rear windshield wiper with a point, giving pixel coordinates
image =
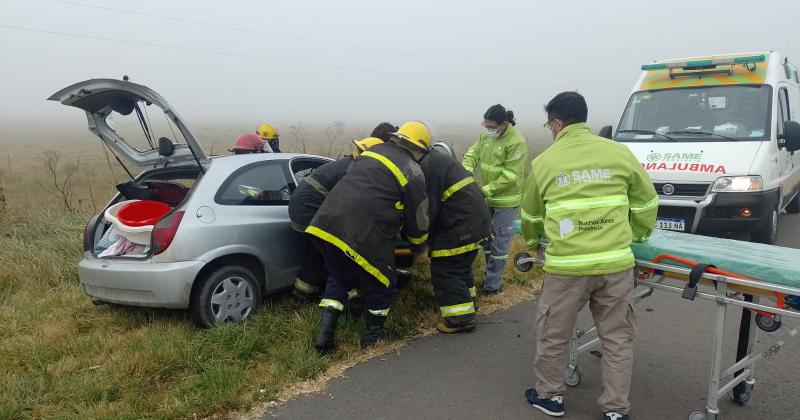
(700, 132)
(653, 133)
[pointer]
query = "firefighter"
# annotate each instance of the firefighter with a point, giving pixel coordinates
(269, 134)
(501, 153)
(249, 143)
(459, 223)
(303, 205)
(590, 197)
(357, 226)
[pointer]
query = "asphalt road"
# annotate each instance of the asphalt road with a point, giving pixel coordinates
(483, 375)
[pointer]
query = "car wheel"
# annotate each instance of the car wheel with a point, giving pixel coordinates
(229, 293)
(769, 232)
(794, 206)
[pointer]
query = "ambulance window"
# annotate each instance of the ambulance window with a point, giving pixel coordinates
(783, 108)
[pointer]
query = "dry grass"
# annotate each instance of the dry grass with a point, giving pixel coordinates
(61, 356)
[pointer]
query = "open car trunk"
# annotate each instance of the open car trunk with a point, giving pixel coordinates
(171, 186)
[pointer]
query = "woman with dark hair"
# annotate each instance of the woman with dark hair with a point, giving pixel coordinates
(501, 152)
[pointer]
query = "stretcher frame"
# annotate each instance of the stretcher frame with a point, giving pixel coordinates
(736, 380)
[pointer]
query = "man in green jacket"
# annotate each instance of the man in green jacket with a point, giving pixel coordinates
(501, 153)
(590, 197)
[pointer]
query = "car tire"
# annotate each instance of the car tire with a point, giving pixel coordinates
(227, 293)
(769, 232)
(794, 206)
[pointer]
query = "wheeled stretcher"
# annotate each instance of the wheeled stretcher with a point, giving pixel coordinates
(756, 277)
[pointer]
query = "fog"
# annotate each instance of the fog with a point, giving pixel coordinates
(366, 61)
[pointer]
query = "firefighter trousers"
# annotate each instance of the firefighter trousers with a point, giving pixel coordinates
(312, 276)
(344, 274)
(453, 287)
(609, 297)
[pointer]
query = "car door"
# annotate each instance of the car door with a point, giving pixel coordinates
(785, 158)
(252, 213)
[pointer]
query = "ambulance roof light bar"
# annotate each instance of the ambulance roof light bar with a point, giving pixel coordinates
(705, 64)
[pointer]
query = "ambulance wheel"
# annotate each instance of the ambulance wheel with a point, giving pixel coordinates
(522, 267)
(572, 377)
(698, 415)
(768, 324)
(769, 232)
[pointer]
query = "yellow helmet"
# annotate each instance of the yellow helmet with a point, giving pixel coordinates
(362, 145)
(416, 133)
(267, 131)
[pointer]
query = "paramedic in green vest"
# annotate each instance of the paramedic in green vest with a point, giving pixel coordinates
(590, 197)
(500, 153)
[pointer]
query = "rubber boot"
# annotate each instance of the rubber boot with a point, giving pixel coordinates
(323, 341)
(373, 331)
(462, 324)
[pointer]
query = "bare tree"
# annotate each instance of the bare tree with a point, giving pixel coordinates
(332, 132)
(60, 176)
(300, 134)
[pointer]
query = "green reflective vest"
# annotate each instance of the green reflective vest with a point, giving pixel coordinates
(502, 163)
(590, 197)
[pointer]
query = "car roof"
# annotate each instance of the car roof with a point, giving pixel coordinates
(237, 161)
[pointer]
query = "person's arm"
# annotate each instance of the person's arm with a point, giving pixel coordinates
(643, 201)
(415, 213)
(472, 157)
(513, 170)
(532, 213)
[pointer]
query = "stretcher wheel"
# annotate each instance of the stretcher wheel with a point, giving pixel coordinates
(572, 377)
(740, 397)
(768, 324)
(698, 415)
(522, 267)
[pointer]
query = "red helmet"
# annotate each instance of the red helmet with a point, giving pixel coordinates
(248, 143)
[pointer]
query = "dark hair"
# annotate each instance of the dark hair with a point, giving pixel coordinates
(499, 114)
(383, 131)
(569, 107)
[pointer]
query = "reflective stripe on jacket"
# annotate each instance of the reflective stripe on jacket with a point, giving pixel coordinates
(590, 197)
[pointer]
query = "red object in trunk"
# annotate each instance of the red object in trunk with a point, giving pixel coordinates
(142, 213)
(164, 231)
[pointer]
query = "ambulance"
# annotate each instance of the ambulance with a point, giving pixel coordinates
(719, 136)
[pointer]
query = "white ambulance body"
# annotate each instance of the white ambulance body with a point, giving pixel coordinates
(718, 136)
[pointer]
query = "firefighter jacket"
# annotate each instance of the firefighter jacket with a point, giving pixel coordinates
(459, 217)
(502, 163)
(275, 145)
(590, 197)
(383, 190)
(311, 192)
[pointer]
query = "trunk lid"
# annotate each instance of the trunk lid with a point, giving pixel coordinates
(103, 99)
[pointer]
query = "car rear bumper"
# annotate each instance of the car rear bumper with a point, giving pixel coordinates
(139, 283)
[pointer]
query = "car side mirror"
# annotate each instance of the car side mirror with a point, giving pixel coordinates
(605, 132)
(791, 135)
(165, 147)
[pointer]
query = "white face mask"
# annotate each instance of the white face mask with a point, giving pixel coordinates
(492, 132)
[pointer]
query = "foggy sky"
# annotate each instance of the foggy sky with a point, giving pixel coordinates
(366, 61)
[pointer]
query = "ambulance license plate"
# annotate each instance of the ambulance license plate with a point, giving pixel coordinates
(671, 224)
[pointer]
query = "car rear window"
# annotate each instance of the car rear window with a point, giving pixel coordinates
(257, 184)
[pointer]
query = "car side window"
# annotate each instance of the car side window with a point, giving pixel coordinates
(257, 184)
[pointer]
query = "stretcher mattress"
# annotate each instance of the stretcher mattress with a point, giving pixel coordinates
(767, 263)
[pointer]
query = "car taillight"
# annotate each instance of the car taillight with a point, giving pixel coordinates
(164, 231)
(87, 240)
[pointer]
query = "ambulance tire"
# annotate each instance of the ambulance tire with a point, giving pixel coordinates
(794, 206)
(769, 232)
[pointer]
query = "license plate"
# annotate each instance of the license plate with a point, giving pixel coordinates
(671, 224)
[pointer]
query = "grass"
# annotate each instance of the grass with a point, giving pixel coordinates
(61, 356)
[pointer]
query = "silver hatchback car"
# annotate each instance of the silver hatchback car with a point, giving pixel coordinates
(226, 240)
